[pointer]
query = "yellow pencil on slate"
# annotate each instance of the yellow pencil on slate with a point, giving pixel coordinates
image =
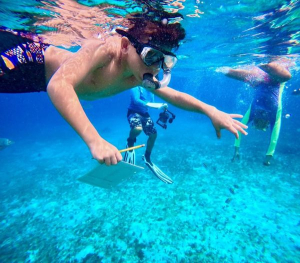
(132, 148)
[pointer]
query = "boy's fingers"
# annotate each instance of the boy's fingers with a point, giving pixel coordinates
(239, 128)
(108, 161)
(235, 132)
(233, 129)
(113, 160)
(101, 161)
(119, 157)
(236, 135)
(236, 115)
(240, 124)
(243, 131)
(218, 132)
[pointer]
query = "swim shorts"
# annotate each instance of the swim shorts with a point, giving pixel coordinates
(141, 120)
(22, 65)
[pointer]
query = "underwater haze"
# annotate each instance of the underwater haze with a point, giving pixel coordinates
(216, 210)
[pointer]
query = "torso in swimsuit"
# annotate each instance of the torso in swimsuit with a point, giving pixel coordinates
(22, 67)
(266, 95)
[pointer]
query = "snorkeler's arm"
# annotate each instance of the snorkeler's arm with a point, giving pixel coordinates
(219, 119)
(276, 71)
(135, 96)
(61, 90)
(238, 74)
(156, 105)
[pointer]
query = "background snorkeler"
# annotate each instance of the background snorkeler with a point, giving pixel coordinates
(266, 108)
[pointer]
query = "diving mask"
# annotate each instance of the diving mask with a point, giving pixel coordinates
(151, 55)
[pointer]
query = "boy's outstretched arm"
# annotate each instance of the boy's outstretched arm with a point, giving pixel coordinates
(61, 90)
(219, 119)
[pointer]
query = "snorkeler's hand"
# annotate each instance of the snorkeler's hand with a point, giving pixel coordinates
(163, 106)
(222, 120)
(159, 106)
(104, 152)
(223, 70)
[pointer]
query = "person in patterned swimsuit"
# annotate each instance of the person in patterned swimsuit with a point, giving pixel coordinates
(268, 81)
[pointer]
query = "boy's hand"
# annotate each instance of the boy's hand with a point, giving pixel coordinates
(104, 152)
(222, 120)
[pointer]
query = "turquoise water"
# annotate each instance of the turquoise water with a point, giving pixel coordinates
(215, 211)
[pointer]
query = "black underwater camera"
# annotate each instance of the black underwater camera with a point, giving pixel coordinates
(164, 117)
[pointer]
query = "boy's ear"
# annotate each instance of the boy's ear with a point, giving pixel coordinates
(125, 43)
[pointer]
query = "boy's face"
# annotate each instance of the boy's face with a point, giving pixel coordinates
(153, 58)
(138, 67)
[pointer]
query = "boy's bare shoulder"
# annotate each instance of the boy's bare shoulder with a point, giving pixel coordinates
(102, 49)
(108, 44)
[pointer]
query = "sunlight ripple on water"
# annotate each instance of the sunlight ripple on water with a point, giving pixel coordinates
(235, 32)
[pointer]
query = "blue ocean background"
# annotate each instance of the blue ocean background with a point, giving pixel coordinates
(215, 211)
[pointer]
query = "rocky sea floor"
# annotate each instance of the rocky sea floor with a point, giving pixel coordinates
(216, 210)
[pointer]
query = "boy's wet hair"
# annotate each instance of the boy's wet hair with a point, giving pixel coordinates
(159, 30)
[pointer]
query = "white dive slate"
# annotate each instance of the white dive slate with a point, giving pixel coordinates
(110, 176)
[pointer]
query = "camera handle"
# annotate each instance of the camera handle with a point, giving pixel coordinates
(162, 121)
(172, 114)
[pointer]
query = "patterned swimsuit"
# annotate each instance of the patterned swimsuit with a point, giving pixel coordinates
(22, 67)
(266, 96)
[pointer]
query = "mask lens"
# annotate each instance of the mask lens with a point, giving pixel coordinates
(151, 56)
(169, 62)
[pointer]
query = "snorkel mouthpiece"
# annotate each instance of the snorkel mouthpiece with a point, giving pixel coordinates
(166, 78)
(149, 82)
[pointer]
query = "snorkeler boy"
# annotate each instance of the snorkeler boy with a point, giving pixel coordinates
(102, 68)
(140, 120)
(266, 108)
